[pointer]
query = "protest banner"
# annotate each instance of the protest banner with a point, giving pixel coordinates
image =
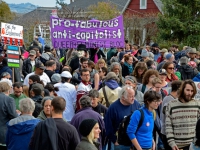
(12, 34)
(67, 33)
(197, 96)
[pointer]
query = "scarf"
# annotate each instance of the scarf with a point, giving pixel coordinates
(130, 67)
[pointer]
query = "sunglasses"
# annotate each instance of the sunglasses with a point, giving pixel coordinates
(171, 68)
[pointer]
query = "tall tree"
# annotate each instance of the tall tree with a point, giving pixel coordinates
(180, 21)
(103, 11)
(5, 13)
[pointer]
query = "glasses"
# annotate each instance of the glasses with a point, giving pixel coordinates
(171, 68)
(86, 75)
(156, 101)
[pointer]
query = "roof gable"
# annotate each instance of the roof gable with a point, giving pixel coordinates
(84, 4)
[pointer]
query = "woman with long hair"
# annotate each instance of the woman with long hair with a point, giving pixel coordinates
(100, 63)
(147, 80)
(139, 71)
(116, 68)
(169, 67)
(89, 129)
(26, 90)
(127, 66)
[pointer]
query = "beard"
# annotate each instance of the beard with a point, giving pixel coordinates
(187, 98)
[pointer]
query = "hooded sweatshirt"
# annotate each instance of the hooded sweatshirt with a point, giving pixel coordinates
(112, 89)
(20, 131)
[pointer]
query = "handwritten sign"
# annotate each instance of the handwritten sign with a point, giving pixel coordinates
(93, 33)
(12, 34)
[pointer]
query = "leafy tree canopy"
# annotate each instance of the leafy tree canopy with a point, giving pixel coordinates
(180, 21)
(5, 13)
(103, 11)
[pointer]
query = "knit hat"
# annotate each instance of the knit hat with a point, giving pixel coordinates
(183, 60)
(169, 55)
(151, 55)
(155, 45)
(47, 48)
(56, 77)
(86, 126)
(145, 53)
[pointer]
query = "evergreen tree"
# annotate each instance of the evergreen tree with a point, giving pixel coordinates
(180, 21)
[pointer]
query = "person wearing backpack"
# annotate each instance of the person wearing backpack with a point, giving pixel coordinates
(117, 111)
(142, 136)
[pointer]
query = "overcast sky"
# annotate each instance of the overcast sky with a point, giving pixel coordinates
(43, 3)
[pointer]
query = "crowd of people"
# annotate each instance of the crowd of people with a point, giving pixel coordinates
(79, 99)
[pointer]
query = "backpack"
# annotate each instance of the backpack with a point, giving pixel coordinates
(123, 138)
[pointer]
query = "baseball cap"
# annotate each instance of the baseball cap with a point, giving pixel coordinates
(56, 77)
(32, 52)
(40, 65)
(66, 74)
(37, 86)
(162, 72)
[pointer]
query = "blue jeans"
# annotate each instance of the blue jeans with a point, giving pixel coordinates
(121, 147)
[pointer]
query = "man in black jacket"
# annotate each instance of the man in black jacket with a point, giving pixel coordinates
(29, 64)
(187, 72)
(49, 134)
(82, 52)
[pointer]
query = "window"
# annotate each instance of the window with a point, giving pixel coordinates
(143, 4)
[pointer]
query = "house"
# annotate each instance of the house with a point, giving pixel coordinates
(143, 6)
(124, 6)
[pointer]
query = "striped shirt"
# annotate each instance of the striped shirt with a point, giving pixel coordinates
(181, 119)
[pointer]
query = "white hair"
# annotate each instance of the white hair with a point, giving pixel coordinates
(26, 105)
(124, 91)
(165, 54)
(7, 81)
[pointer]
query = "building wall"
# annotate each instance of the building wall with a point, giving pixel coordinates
(134, 7)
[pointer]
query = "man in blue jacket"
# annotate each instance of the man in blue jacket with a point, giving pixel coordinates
(121, 108)
(21, 128)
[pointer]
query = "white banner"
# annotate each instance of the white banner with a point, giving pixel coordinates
(11, 31)
(197, 96)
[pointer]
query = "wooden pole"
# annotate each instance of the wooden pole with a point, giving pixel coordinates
(13, 75)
